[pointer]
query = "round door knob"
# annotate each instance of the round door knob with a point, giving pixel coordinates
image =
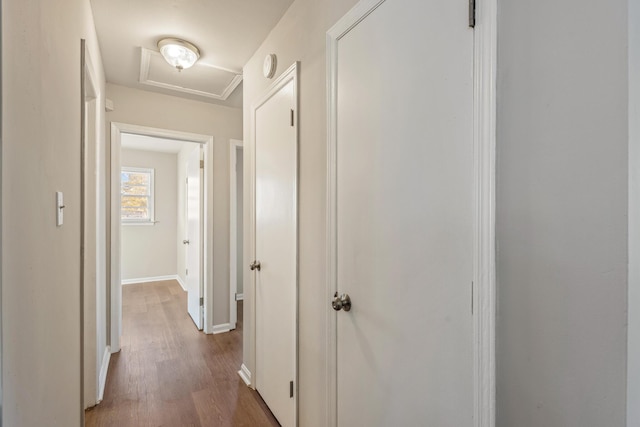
(342, 302)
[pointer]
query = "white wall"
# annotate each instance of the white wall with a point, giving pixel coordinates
(562, 213)
(150, 250)
(138, 107)
(300, 36)
(41, 155)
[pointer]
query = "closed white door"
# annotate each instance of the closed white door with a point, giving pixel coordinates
(275, 249)
(193, 241)
(404, 215)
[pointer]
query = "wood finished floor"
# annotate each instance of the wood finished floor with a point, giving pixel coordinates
(170, 374)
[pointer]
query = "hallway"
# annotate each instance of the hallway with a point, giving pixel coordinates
(170, 374)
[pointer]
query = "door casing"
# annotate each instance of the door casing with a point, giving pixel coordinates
(93, 259)
(247, 372)
(484, 126)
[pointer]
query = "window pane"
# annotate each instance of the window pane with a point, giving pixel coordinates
(136, 190)
(135, 182)
(135, 207)
(136, 194)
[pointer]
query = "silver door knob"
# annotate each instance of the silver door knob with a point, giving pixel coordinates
(342, 302)
(185, 242)
(255, 265)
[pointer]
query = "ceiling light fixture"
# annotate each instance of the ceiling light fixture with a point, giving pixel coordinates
(178, 53)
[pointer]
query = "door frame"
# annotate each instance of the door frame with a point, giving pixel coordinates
(484, 141)
(90, 261)
(117, 129)
(233, 232)
(633, 232)
(246, 372)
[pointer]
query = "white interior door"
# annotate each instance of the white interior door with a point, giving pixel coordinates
(404, 214)
(275, 249)
(194, 241)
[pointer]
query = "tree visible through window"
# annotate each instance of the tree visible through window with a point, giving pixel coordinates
(136, 195)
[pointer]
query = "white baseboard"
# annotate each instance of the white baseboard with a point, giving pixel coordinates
(245, 375)
(181, 283)
(104, 368)
(218, 329)
(151, 279)
(239, 297)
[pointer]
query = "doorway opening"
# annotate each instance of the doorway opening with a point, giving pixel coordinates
(150, 215)
(161, 215)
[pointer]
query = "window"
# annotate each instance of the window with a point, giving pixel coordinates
(136, 194)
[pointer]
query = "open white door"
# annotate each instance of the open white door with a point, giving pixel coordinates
(194, 241)
(276, 247)
(402, 208)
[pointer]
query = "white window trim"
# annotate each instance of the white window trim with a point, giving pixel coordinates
(152, 218)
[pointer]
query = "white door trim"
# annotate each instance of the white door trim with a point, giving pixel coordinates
(233, 232)
(117, 129)
(484, 296)
(291, 74)
(484, 315)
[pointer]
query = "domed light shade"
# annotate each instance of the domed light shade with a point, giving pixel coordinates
(178, 53)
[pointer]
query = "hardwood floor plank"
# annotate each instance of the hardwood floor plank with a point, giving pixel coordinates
(170, 374)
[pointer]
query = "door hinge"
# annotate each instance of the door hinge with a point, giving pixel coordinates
(201, 301)
(290, 388)
(186, 271)
(292, 117)
(472, 13)
(201, 164)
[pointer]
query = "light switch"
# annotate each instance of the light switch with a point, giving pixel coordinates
(59, 208)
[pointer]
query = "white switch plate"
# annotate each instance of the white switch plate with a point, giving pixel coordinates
(59, 208)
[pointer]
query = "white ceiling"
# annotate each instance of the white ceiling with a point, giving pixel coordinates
(227, 32)
(150, 143)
